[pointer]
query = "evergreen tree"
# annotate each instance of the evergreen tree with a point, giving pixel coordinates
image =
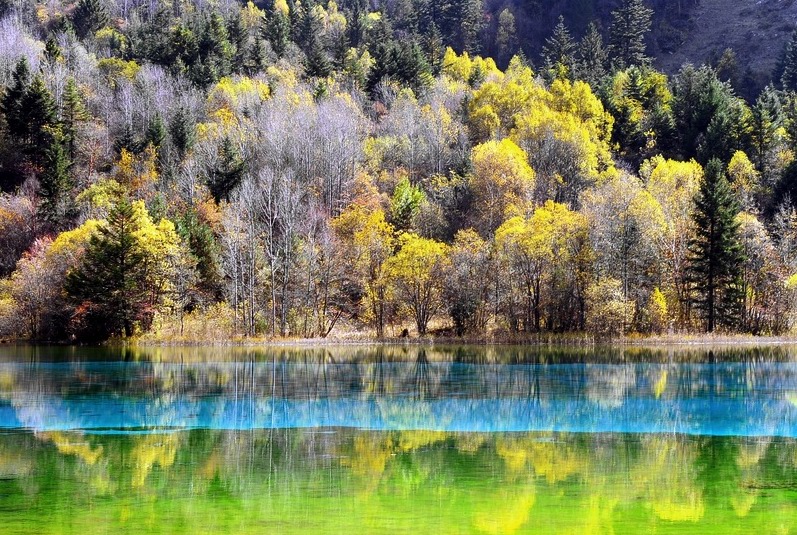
(471, 25)
(317, 63)
(89, 16)
(630, 25)
(73, 112)
(110, 286)
(715, 253)
(228, 172)
(278, 33)
(256, 60)
(592, 57)
(506, 35)
(11, 104)
(434, 49)
(55, 184)
(52, 52)
(39, 114)
(182, 130)
(156, 132)
(558, 52)
(789, 77)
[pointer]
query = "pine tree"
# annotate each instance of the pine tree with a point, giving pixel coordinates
(55, 183)
(228, 173)
(110, 286)
(156, 132)
(592, 57)
(89, 16)
(256, 61)
(715, 253)
(52, 52)
(73, 112)
(630, 25)
(789, 77)
(278, 32)
(506, 35)
(11, 103)
(38, 112)
(183, 132)
(558, 52)
(471, 25)
(317, 63)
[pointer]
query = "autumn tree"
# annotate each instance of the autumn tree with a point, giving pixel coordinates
(417, 272)
(716, 254)
(123, 274)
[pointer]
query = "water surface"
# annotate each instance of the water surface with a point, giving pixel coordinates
(397, 440)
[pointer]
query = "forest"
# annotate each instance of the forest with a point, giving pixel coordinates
(218, 169)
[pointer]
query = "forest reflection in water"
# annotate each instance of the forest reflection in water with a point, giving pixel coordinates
(342, 481)
(397, 440)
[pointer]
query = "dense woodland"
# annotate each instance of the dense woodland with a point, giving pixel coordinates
(300, 169)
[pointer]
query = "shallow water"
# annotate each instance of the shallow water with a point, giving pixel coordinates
(397, 440)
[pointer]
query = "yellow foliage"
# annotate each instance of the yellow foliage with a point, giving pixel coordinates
(252, 16)
(232, 93)
(150, 450)
(116, 69)
(73, 444)
(281, 6)
(501, 178)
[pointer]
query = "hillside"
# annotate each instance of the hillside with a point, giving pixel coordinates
(756, 30)
(684, 31)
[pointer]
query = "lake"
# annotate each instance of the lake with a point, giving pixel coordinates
(398, 440)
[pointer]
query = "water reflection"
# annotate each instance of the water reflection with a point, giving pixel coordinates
(397, 440)
(456, 389)
(336, 481)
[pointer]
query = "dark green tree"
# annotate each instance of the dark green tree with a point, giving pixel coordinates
(278, 32)
(709, 119)
(88, 17)
(630, 26)
(11, 104)
(39, 113)
(558, 52)
(55, 184)
(156, 132)
(591, 57)
(52, 52)
(110, 288)
(715, 253)
(789, 77)
(317, 62)
(228, 172)
(182, 130)
(73, 112)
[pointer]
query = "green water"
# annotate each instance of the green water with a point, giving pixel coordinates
(238, 442)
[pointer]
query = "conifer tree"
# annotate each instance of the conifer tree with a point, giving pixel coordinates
(39, 116)
(630, 25)
(278, 32)
(715, 252)
(789, 77)
(229, 171)
(183, 132)
(55, 183)
(110, 286)
(11, 103)
(89, 16)
(558, 52)
(592, 57)
(73, 112)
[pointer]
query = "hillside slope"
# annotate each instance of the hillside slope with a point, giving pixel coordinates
(756, 30)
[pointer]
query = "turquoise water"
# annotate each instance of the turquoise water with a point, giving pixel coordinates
(397, 440)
